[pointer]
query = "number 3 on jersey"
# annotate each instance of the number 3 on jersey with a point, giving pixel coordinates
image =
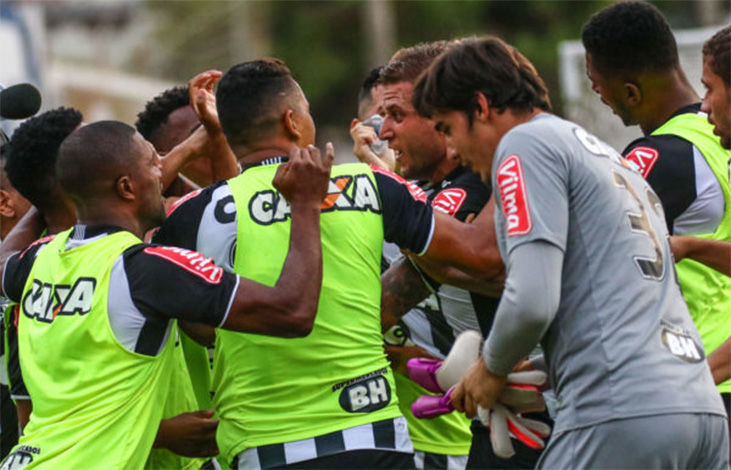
(640, 223)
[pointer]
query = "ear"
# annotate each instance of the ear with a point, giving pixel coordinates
(482, 113)
(632, 94)
(291, 126)
(6, 207)
(125, 187)
(452, 153)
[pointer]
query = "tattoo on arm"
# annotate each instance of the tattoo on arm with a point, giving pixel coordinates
(403, 289)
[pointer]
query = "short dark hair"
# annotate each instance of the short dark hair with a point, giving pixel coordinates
(629, 38)
(408, 63)
(487, 65)
(717, 52)
(249, 98)
(33, 149)
(364, 94)
(92, 153)
(159, 108)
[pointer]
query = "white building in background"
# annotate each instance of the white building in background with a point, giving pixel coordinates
(75, 53)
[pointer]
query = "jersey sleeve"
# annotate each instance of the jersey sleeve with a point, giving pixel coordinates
(466, 195)
(173, 282)
(407, 220)
(18, 267)
(666, 162)
(530, 184)
(184, 218)
(12, 360)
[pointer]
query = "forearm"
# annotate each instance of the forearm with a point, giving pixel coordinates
(403, 288)
(173, 162)
(528, 305)
(224, 165)
(720, 362)
(446, 274)
(471, 247)
(713, 253)
(288, 309)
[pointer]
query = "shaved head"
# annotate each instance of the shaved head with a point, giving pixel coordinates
(92, 158)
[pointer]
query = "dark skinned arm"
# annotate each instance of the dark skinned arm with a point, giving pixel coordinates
(288, 309)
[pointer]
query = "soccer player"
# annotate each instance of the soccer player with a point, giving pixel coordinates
(717, 80)
(170, 118)
(98, 305)
(632, 62)
(12, 208)
(589, 275)
(442, 442)
(327, 399)
(457, 191)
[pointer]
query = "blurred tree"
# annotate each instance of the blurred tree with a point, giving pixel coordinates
(330, 45)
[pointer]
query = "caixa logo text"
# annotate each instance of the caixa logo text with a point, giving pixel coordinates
(44, 301)
(345, 193)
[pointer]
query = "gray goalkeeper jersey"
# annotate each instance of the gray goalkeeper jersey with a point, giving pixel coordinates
(622, 343)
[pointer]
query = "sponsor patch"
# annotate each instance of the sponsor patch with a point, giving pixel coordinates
(22, 457)
(511, 184)
(450, 200)
(682, 345)
(416, 192)
(365, 394)
(180, 201)
(44, 301)
(191, 261)
(642, 159)
(40, 241)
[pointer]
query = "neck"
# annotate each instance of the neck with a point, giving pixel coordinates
(112, 215)
(512, 119)
(445, 168)
(255, 154)
(665, 95)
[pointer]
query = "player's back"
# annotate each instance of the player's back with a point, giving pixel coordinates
(276, 393)
(622, 343)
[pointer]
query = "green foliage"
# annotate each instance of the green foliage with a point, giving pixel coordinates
(325, 44)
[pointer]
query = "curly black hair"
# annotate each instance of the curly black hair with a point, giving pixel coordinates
(32, 153)
(159, 108)
(629, 38)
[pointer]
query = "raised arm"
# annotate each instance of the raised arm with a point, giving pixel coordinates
(223, 161)
(290, 306)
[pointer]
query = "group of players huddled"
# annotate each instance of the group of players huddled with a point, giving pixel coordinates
(209, 290)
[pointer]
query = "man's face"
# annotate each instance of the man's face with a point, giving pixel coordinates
(474, 150)
(147, 178)
(717, 104)
(303, 118)
(418, 147)
(611, 91)
(180, 125)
